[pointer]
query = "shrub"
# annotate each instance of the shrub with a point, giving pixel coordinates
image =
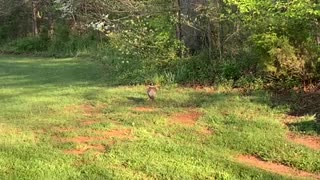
(197, 69)
(249, 82)
(27, 45)
(278, 58)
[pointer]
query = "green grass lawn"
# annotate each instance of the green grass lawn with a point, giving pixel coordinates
(63, 119)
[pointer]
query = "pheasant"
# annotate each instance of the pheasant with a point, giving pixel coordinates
(152, 92)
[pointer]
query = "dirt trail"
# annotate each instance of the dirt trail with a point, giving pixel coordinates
(308, 141)
(186, 118)
(275, 167)
(312, 142)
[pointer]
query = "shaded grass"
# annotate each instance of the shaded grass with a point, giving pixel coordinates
(44, 100)
(306, 125)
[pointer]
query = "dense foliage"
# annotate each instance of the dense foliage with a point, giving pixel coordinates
(246, 43)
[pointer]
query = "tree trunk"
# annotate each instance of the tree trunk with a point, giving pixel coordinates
(318, 30)
(191, 37)
(210, 42)
(179, 28)
(34, 18)
(50, 21)
(220, 30)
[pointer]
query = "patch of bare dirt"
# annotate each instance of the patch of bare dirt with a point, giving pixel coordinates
(64, 129)
(144, 109)
(89, 122)
(80, 139)
(117, 133)
(98, 148)
(275, 167)
(186, 118)
(86, 109)
(306, 140)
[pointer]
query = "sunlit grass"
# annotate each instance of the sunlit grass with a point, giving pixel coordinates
(46, 102)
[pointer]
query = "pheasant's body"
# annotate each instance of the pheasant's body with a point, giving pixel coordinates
(152, 92)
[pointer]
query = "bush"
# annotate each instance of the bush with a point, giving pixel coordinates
(27, 45)
(4, 31)
(64, 43)
(197, 70)
(279, 59)
(249, 82)
(229, 69)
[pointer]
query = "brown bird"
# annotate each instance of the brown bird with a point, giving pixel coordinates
(152, 92)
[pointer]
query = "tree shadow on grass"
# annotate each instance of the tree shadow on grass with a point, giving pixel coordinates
(191, 99)
(301, 104)
(31, 72)
(310, 127)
